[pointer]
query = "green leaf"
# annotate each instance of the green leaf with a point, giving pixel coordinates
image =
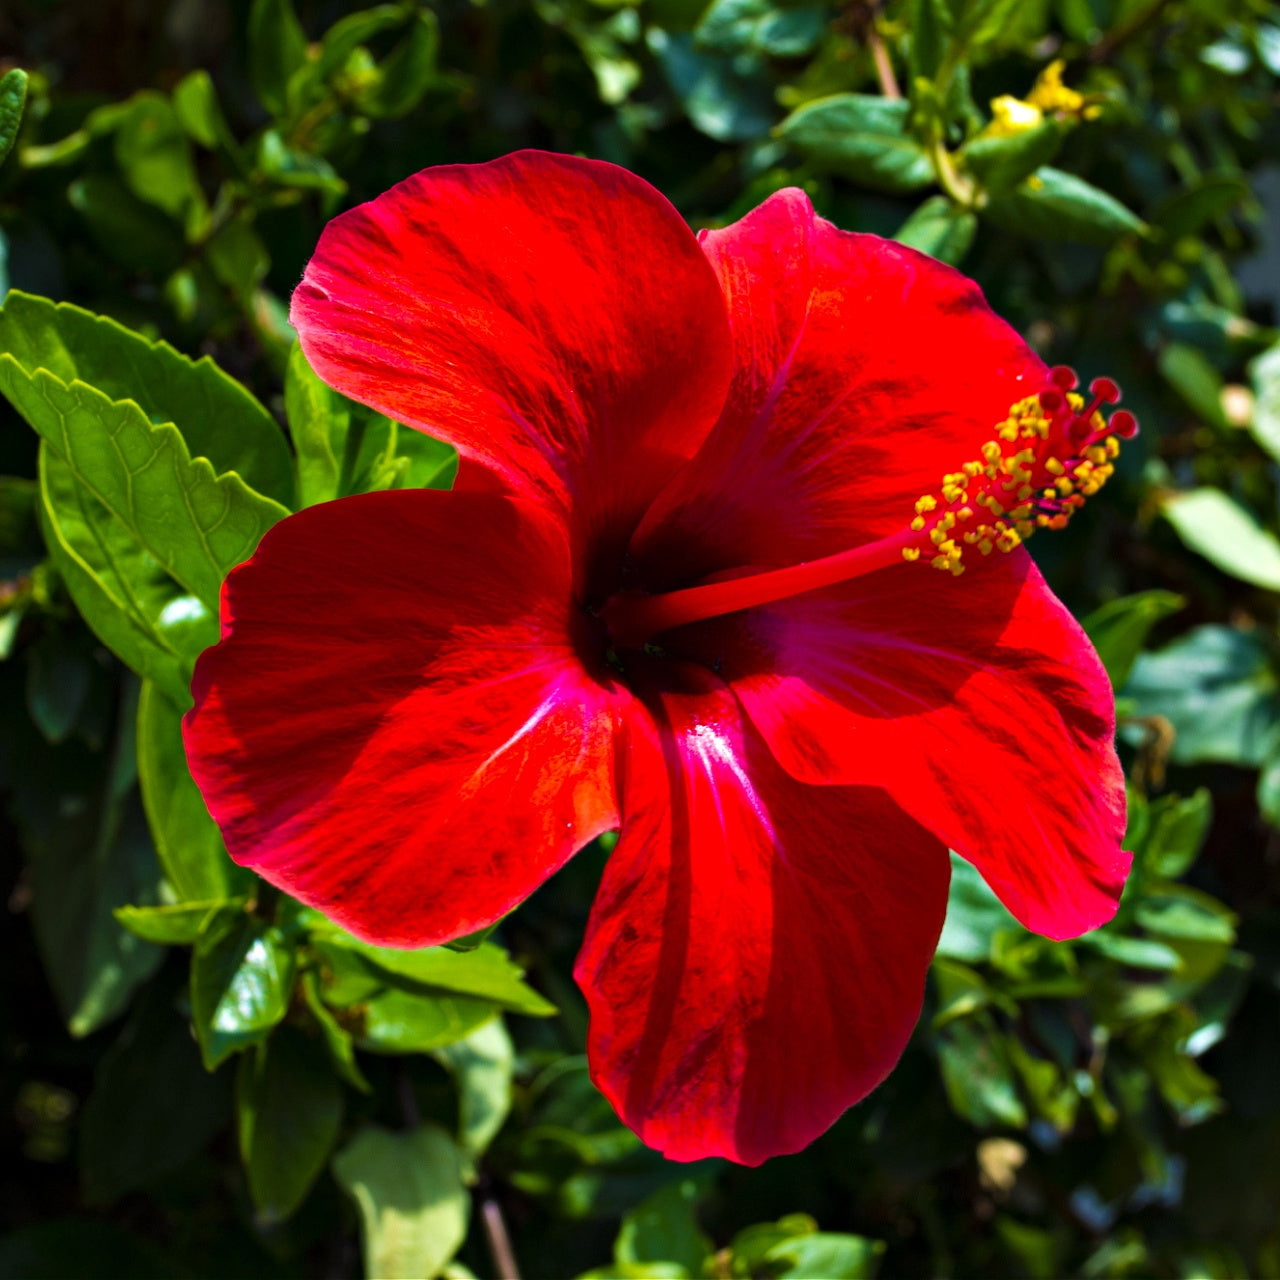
(977, 1074)
(1269, 783)
(154, 155)
(187, 839)
(862, 138)
(1120, 628)
(337, 1039)
(196, 102)
(13, 97)
(218, 418)
(759, 26)
(406, 73)
(487, 973)
(826, 1254)
(175, 925)
(1216, 526)
(58, 676)
(288, 1111)
(940, 228)
(152, 1108)
(728, 99)
(293, 167)
(1138, 953)
(1265, 375)
(399, 1021)
(128, 230)
(86, 840)
(931, 23)
(481, 1064)
(1217, 687)
(409, 1191)
(980, 22)
(1193, 377)
(663, 1228)
(999, 164)
(277, 48)
(1177, 829)
(1186, 212)
(319, 419)
(195, 523)
(974, 915)
(1052, 205)
(241, 980)
(342, 39)
(1182, 912)
(136, 609)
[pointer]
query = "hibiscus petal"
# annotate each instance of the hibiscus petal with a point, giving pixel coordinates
(863, 372)
(756, 956)
(550, 316)
(397, 726)
(976, 702)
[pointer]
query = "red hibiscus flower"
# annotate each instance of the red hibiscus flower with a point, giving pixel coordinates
(682, 589)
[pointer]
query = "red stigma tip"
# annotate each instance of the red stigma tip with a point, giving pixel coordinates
(1106, 390)
(1051, 400)
(1064, 377)
(1124, 424)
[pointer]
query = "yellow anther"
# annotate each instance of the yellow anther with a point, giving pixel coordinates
(1112, 447)
(917, 524)
(1008, 540)
(927, 503)
(911, 553)
(1054, 467)
(965, 513)
(985, 546)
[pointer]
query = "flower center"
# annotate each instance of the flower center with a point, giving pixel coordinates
(1049, 454)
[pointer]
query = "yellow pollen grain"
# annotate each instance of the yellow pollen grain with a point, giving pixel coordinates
(911, 553)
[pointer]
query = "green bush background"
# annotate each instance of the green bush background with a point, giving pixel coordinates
(199, 1077)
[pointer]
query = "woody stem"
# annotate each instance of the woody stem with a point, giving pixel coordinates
(632, 620)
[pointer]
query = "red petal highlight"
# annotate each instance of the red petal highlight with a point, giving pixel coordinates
(552, 317)
(396, 727)
(977, 703)
(756, 957)
(863, 372)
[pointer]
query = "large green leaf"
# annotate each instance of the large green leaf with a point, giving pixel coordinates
(242, 975)
(289, 1111)
(1000, 163)
(940, 228)
(1053, 205)
(195, 523)
(1120, 628)
(89, 852)
(481, 1064)
(398, 1021)
(13, 94)
(187, 839)
(663, 1228)
(217, 417)
(277, 49)
(153, 1106)
(1217, 687)
(406, 73)
(860, 137)
(487, 973)
(156, 627)
(726, 98)
(409, 1191)
(1227, 535)
(156, 161)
